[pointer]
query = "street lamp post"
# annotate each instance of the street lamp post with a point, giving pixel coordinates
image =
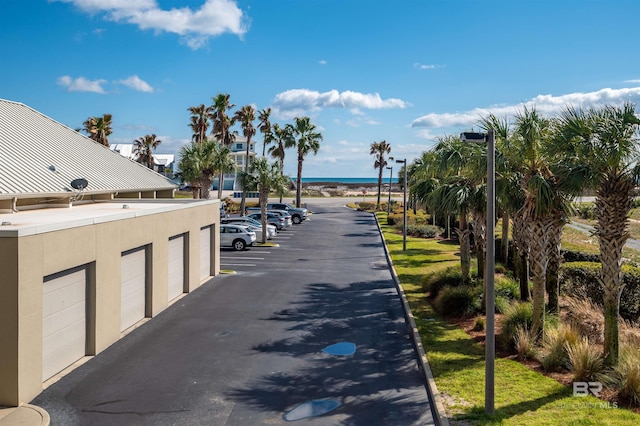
(389, 202)
(490, 266)
(404, 205)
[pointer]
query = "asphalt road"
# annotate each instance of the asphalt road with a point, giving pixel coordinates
(247, 349)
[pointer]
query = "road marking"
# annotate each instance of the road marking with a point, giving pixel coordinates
(238, 264)
(244, 258)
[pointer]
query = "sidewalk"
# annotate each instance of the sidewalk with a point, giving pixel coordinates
(24, 415)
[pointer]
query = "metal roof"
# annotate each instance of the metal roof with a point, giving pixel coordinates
(39, 156)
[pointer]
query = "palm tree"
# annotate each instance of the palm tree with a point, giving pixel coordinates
(220, 117)
(99, 128)
(265, 128)
(601, 150)
(199, 122)
(379, 149)
(263, 177)
(545, 201)
(143, 149)
(190, 166)
(224, 163)
(283, 137)
(221, 127)
(246, 115)
(200, 162)
(306, 139)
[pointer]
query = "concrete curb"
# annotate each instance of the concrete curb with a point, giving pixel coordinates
(24, 415)
(437, 407)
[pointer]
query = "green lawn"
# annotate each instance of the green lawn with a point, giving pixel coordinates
(522, 397)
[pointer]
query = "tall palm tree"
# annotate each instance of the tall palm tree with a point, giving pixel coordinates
(246, 115)
(143, 148)
(265, 128)
(545, 200)
(306, 139)
(220, 117)
(283, 137)
(190, 166)
(263, 177)
(199, 122)
(379, 149)
(601, 150)
(99, 128)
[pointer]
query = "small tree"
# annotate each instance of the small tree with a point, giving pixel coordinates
(379, 149)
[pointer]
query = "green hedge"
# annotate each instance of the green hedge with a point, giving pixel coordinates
(423, 231)
(581, 279)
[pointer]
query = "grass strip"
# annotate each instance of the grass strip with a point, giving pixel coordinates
(522, 396)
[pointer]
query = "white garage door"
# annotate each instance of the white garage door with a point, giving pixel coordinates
(205, 252)
(133, 280)
(64, 320)
(176, 266)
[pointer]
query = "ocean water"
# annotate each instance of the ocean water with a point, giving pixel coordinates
(347, 180)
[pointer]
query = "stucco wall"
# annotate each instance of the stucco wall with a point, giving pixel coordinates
(26, 260)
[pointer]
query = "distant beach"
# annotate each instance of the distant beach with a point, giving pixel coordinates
(347, 186)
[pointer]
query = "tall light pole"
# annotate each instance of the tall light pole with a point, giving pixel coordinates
(404, 205)
(490, 266)
(390, 177)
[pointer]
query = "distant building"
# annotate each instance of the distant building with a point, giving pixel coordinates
(239, 154)
(91, 245)
(161, 162)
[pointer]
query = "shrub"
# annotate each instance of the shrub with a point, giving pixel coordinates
(480, 324)
(394, 218)
(501, 304)
(451, 277)
(458, 301)
(364, 206)
(585, 317)
(507, 288)
(423, 231)
(579, 256)
(555, 341)
(581, 279)
(627, 374)
(585, 210)
(524, 342)
(516, 315)
(585, 360)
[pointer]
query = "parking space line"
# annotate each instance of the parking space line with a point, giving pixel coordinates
(245, 258)
(238, 264)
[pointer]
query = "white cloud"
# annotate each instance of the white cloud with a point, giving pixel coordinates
(136, 83)
(213, 18)
(632, 81)
(300, 101)
(420, 66)
(81, 84)
(322, 62)
(545, 104)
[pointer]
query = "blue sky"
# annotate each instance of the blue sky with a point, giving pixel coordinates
(364, 71)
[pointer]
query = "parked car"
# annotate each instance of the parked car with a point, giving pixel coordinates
(272, 218)
(288, 221)
(255, 226)
(236, 236)
(297, 214)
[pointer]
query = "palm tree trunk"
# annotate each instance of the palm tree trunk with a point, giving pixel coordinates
(465, 249)
(299, 181)
(480, 236)
(613, 203)
(539, 231)
(264, 198)
(243, 202)
(379, 186)
(553, 269)
(220, 185)
(522, 250)
(505, 237)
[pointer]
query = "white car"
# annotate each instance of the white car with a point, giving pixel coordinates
(256, 226)
(236, 236)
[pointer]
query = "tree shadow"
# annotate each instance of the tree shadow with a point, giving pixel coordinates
(379, 384)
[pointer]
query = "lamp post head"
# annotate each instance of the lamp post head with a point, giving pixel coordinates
(476, 137)
(402, 161)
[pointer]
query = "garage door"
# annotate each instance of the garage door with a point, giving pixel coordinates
(205, 252)
(176, 266)
(64, 320)
(133, 280)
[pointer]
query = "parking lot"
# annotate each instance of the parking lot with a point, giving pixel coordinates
(249, 348)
